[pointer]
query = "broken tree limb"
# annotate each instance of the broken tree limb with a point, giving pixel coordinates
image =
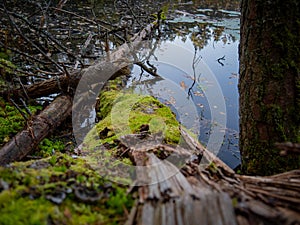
(69, 81)
(288, 148)
(63, 83)
(37, 129)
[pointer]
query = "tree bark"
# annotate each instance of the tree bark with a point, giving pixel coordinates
(269, 84)
(37, 129)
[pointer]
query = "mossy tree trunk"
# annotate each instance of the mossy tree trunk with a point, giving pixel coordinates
(269, 84)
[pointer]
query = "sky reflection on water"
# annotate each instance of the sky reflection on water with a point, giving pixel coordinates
(225, 70)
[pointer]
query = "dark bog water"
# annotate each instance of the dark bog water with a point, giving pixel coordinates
(198, 63)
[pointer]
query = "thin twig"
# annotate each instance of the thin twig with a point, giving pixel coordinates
(219, 60)
(31, 43)
(19, 109)
(81, 17)
(55, 41)
(148, 70)
(25, 106)
(23, 53)
(23, 88)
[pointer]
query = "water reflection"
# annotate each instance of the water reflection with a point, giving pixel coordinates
(214, 41)
(212, 35)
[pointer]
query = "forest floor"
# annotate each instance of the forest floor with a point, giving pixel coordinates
(138, 165)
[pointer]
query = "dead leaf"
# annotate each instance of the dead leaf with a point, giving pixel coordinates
(182, 85)
(67, 213)
(172, 101)
(198, 93)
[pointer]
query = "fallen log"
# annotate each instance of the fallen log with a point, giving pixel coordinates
(37, 129)
(66, 83)
(207, 195)
(40, 126)
(202, 190)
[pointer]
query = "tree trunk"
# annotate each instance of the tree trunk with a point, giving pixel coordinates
(269, 84)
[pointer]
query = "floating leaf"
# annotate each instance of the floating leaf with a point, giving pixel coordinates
(172, 101)
(233, 75)
(198, 93)
(182, 85)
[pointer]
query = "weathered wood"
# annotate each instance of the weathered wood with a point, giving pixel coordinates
(209, 193)
(37, 129)
(61, 84)
(171, 199)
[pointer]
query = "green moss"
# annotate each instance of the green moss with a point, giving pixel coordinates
(235, 202)
(106, 100)
(41, 192)
(268, 161)
(212, 168)
(159, 117)
(128, 112)
(6, 66)
(121, 114)
(48, 147)
(5, 54)
(11, 120)
(120, 198)
(19, 211)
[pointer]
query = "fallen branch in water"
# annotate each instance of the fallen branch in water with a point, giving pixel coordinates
(64, 83)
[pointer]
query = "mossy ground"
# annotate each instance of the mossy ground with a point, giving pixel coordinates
(123, 113)
(11, 120)
(59, 190)
(91, 189)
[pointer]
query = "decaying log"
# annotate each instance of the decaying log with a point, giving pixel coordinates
(209, 193)
(175, 200)
(68, 82)
(37, 129)
(62, 84)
